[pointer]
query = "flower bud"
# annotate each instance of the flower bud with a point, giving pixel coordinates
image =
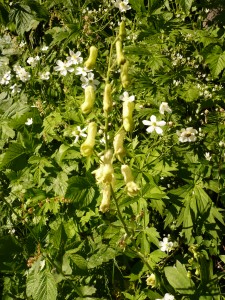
(86, 148)
(151, 280)
(90, 63)
(87, 106)
(124, 75)
(107, 99)
(119, 53)
(127, 174)
(128, 108)
(105, 173)
(122, 30)
(118, 145)
(131, 187)
(106, 195)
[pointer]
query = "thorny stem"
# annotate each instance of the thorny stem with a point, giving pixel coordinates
(130, 235)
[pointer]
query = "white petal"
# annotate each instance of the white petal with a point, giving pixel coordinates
(150, 129)
(153, 118)
(146, 122)
(161, 123)
(158, 130)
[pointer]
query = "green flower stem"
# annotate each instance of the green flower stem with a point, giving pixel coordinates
(130, 235)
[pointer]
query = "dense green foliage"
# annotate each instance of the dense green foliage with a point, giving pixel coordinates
(74, 222)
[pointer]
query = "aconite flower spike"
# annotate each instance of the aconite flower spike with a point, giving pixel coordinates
(91, 61)
(87, 147)
(89, 97)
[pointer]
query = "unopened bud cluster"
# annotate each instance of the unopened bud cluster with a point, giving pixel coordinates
(104, 174)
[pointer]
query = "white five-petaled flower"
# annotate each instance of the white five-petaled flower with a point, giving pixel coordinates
(125, 97)
(122, 5)
(6, 78)
(187, 135)
(33, 60)
(154, 125)
(63, 68)
(15, 89)
(82, 71)
(45, 76)
(208, 156)
(78, 133)
(22, 44)
(89, 80)
(44, 48)
(165, 245)
(74, 58)
(164, 107)
(21, 73)
(167, 296)
(29, 121)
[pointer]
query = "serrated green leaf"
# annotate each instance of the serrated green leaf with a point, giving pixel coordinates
(81, 191)
(60, 184)
(216, 61)
(185, 5)
(79, 261)
(153, 235)
(13, 155)
(46, 287)
(178, 279)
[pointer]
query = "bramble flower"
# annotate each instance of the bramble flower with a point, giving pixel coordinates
(15, 89)
(21, 73)
(187, 135)
(122, 5)
(33, 60)
(154, 125)
(165, 245)
(164, 107)
(125, 97)
(63, 68)
(151, 280)
(208, 156)
(89, 80)
(82, 71)
(6, 78)
(221, 144)
(29, 121)
(167, 296)
(74, 58)
(22, 44)
(45, 76)
(44, 48)
(78, 133)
